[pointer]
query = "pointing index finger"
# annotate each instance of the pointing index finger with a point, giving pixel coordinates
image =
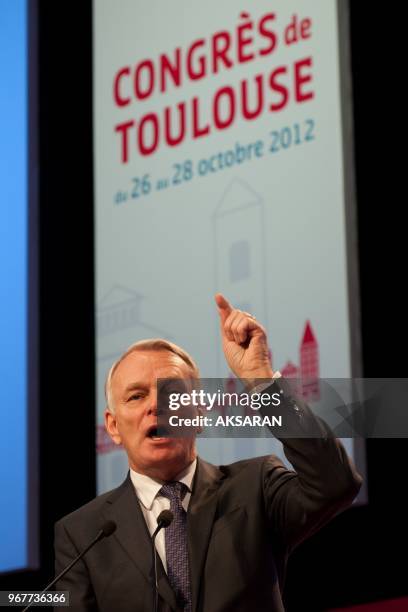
(224, 307)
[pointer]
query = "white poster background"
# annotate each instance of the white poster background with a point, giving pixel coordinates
(161, 257)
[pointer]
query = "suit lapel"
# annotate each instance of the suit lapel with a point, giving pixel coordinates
(200, 518)
(133, 535)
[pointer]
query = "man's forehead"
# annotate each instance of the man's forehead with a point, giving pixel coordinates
(150, 364)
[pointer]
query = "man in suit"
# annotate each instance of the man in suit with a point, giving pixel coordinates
(234, 526)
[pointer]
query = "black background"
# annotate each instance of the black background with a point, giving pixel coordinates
(357, 557)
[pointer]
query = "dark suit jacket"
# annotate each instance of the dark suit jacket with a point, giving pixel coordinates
(243, 521)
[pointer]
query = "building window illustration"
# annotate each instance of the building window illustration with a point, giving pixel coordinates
(239, 260)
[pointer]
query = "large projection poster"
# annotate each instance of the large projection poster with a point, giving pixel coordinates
(219, 167)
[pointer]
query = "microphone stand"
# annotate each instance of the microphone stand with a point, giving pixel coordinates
(156, 586)
(107, 530)
(163, 520)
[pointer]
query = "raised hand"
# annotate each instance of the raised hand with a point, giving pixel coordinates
(244, 342)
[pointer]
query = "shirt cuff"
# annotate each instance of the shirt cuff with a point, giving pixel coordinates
(262, 386)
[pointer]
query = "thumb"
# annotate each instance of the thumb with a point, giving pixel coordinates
(224, 307)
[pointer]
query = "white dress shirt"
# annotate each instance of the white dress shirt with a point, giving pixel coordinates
(151, 503)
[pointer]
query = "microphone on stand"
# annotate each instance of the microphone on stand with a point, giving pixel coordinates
(107, 529)
(163, 520)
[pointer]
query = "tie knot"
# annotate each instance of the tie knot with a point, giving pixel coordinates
(173, 490)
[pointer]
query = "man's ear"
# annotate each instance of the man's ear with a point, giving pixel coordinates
(111, 426)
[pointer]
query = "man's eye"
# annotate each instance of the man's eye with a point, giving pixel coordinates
(136, 396)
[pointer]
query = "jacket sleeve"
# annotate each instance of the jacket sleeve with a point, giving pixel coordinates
(76, 580)
(324, 480)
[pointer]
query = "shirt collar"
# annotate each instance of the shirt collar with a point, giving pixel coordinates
(147, 488)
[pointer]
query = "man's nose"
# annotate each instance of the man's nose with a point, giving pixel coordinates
(152, 405)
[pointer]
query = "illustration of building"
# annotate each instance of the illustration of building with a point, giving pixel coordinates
(290, 370)
(308, 371)
(119, 324)
(240, 254)
(118, 309)
(309, 364)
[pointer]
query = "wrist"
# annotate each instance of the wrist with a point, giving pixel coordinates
(254, 377)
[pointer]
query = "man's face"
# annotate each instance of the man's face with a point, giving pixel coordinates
(134, 396)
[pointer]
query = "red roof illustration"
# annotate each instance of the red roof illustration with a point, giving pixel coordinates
(308, 335)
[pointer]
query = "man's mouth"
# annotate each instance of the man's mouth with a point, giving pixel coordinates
(157, 433)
